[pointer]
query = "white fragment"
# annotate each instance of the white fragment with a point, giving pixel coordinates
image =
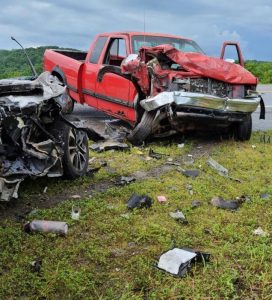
(45, 190)
(260, 232)
(181, 145)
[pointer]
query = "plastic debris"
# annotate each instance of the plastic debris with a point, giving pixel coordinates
(220, 169)
(45, 189)
(189, 188)
(161, 198)
(265, 196)
(36, 265)
(188, 160)
(57, 227)
(125, 180)
(196, 203)
(75, 214)
(75, 196)
(190, 173)
(221, 203)
(260, 232)
(179, 216)
(181, 145)
(216, 166)
(178, 261)
(253, 146)
(139, 201)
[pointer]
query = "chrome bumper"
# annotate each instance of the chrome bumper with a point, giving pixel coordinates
(197, 100)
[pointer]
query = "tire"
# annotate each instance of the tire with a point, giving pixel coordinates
(76, 152)
(242, 131)
(144, 128)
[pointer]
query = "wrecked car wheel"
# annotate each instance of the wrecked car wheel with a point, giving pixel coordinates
(76, 152)
(243, 129)
(143, 129)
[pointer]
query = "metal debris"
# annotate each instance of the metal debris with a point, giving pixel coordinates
(109, 145)
(36, 265)
(33, 132)
(178, 261)
(260, 232)
(57, 227)
(139, 201)
(155, 155)
(221, 203)
(265, 196)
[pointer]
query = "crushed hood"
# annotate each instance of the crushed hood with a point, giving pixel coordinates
(202, 65)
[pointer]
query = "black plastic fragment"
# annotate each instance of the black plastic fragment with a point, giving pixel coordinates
(139, 201)
(191, 173)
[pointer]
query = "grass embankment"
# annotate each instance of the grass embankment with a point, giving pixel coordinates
(110, 253)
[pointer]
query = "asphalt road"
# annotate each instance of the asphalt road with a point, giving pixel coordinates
(96, 119)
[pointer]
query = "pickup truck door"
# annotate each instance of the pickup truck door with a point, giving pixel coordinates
(113, 92)
(91, 68)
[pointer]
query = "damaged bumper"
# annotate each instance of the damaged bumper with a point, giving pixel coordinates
(205, 101)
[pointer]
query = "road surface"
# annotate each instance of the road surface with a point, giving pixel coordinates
(96, 118)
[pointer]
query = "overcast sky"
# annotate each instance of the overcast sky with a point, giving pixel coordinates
(70, 23)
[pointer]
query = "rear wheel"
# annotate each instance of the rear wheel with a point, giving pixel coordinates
(242, 131)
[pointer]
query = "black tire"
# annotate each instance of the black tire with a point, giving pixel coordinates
(76, 152)
(242, 131)
(143, 129)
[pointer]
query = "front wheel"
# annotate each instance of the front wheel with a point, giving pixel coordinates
(242, 131)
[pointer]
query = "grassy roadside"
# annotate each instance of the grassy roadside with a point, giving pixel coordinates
(110, 253)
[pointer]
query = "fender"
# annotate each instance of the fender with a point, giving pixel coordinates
(57, 71)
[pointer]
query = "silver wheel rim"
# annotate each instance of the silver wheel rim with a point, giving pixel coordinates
(77, 148)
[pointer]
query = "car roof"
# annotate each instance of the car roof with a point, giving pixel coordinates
(131, 33)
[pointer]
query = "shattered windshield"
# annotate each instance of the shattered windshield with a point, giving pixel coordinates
(151, 41)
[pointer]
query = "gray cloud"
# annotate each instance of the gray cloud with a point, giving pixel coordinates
(74, 24)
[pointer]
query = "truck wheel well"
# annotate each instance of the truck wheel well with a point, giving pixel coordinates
(59, 74)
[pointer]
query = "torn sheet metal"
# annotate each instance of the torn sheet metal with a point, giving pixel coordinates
(225, 204)
(31, 144)
(178, 261)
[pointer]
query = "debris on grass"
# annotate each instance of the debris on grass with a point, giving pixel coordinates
(221, 203)
(188, 159)
(123, 180)
(221, 170)
(178, 216)
(75, 214)
(57, 227)
(155, 155)
(189, 173)
(189, 188)
(36, 266)
(216, 166)
(196, 203)
(178, 261)
(265, 196)
(45, 189)
(75, 197)
(260, 232)
(109, 145)
(139, 201)
(253, 146)
(161, 198)
(181, 145)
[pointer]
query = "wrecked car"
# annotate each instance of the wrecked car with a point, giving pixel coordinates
(35, 137)
(160, 84)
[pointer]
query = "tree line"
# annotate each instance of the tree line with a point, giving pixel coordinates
(13, 64)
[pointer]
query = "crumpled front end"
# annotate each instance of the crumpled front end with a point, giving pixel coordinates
(31, 138)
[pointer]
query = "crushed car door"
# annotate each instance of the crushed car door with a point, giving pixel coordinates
(113, 91)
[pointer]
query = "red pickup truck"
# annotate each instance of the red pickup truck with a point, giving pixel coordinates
(159, 84)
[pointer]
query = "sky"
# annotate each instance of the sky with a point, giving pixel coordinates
(73, 24)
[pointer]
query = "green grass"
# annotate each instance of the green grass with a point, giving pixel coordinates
(107, 255)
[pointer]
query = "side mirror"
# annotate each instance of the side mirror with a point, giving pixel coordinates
(238, 50)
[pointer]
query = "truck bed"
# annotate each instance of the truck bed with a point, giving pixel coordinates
(77, 55)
